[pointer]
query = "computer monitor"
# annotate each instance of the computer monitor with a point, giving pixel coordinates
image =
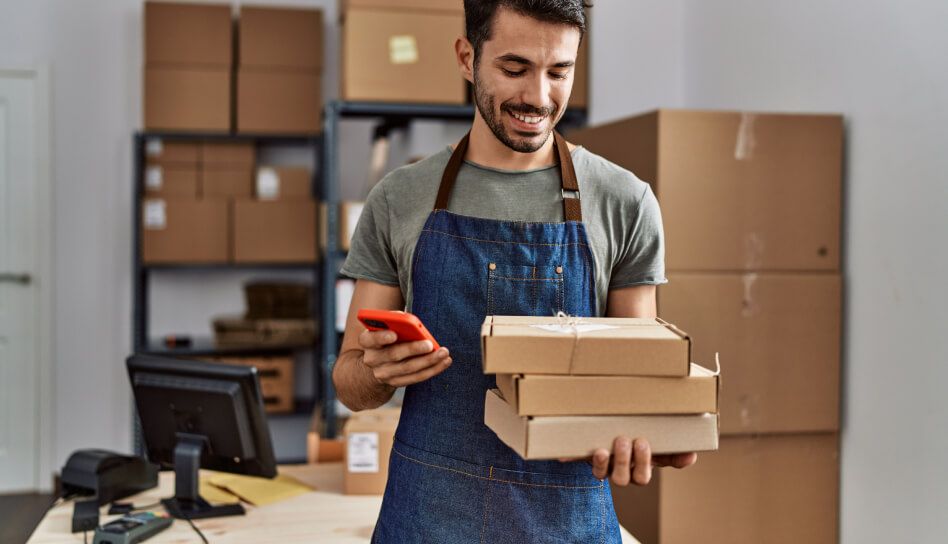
(197, 414)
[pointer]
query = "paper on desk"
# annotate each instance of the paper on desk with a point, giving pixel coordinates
(215, 495)
(259, 491)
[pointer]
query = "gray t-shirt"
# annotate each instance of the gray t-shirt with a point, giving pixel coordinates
(620, 212)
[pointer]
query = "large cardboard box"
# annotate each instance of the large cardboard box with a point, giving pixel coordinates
(274, 232)
(557, 437)
(277, 102)
(738, 191)
(188, 33)
(456, 6)
(171, 180)
(779, 338)
(185, 230)
(580, 95)
(161, 151)
(401, 56)
(228, 154)
(187, 98)
(283, 183)
(588, 346)
(281, 38)
(548, 395)
(369, 437)
(774, 489)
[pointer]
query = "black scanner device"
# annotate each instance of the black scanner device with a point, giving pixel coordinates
(107, 475)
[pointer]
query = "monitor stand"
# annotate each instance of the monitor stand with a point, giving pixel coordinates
(187, 502)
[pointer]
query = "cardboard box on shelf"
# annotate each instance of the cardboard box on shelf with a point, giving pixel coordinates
(187, 99)
(171, 180)
(738, 191)
(280, 38)
(278, 102)
(455, 6)
(283, 183)
(401, 56)
(228, 154)
(188, 33)
(369, 436)
(226, 182)
(774, 489)
(556, 437)
(276, 380)
(275, 231)
(349, 213)
(779, 335)
(185, 230)
(168, 152)
(580, 95)
(587, 346)
(548, 395)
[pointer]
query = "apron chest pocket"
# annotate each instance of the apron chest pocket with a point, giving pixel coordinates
(524, 290)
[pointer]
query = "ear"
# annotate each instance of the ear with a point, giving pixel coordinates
(465, 56)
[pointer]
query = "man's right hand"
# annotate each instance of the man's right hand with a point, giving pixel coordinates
(398, 365)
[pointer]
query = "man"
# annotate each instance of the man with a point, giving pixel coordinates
(497, 226)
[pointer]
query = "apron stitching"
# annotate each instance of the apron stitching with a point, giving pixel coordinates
(503, 241)
(527, 279)
(602, 517)
(551, 486)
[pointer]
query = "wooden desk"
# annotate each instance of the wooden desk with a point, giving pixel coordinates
(325, 515)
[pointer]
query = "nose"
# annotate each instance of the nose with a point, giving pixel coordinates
(536, 91)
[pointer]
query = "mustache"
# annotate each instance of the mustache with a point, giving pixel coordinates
(527, 109)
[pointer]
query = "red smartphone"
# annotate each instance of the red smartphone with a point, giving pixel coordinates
(408, 327)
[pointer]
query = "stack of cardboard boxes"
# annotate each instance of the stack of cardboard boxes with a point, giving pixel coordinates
(592, 380)
(751, 210)
(279, 223)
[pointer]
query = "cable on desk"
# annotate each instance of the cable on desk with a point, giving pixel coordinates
(198, 531)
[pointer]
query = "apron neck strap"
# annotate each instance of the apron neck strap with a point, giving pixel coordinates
(572, 210)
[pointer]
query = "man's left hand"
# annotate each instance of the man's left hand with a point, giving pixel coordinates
(632, 461)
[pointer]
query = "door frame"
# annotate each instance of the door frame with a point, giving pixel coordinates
(43, 274)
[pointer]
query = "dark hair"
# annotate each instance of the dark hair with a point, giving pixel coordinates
(479, 16)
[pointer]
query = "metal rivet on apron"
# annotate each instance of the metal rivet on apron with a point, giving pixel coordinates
(492, 266)
(559, 269)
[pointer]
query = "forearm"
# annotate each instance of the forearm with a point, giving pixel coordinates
(356, 387)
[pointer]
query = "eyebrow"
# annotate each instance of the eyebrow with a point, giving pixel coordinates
(510, 57)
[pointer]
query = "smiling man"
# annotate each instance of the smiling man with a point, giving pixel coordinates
(513, 220)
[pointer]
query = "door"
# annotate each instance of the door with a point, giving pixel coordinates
(19, 299)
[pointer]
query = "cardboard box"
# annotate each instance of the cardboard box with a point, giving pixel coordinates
(187, 99)
(546, 395)
(556, 437)
(774, 489)
(159, 151)
(183, 230)
(228, 154)
(281, 38)
(188, 33)
(226, 182)
(237, 332)
(779, 335)
(369, 437)
(580, 95)
(738, 191)
(276, 380)
(456, 6)
(171, 180)
(401, 56)
(271, 102)
(591, 346)
(283, 183)
(274, 232)
(349, 213)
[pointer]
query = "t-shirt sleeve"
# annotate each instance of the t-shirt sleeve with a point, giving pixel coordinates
(370, 251)
(641, 259)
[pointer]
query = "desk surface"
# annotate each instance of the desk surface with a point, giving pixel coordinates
(325, 515)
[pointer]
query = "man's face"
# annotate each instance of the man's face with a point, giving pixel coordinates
(523, 78)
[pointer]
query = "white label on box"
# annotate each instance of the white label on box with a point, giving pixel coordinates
(268, 184)
(574, 329)
(153, 178)
(344, 292)
(352, 218)
(363, 452)
(403, 49)
(155, 217)
(153, 147)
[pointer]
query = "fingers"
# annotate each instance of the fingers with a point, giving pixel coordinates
(679, 460)
(376, 339)
(600, 463)
(386, 372)
(621, 460)
(642, 453)
(405, 350)
(422, 375)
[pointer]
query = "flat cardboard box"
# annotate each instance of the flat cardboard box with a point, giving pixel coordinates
(556, 437)
(226, 182)
(589, 346)
(775, 489)
(187, 99)
(171, 180)
(369, 436)
(547, 395)
(185, 230)
(274, 232)
(188, 33)
(167, 152)
(280, 38)
(228, 154)
(349, 214)
(738, 191)
(456, 6)
(283, 183)
(779, 336)
(401, 56)
(278, 102)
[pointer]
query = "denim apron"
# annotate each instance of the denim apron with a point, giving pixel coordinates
(450, 478)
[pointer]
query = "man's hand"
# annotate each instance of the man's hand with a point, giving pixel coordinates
(632, 461)
(398, 365)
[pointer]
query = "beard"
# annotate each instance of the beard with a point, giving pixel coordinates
(493, 116)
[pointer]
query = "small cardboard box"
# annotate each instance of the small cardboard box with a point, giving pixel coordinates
(555, 437)
(547, 395)
(167, 152)
(271, 102)
(369, 437)
(283, 183)
(187, 98)
(185, 230)
(226, 182)
(171, 180)
(281, 38)
(228, 154)
(274, 232)
(401, 56)
(587, 346)
(276, 380)
(188, 33)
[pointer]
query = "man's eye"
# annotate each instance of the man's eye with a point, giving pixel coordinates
(559, 75)
(512, 73)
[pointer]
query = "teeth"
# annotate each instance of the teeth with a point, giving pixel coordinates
(526, 119)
